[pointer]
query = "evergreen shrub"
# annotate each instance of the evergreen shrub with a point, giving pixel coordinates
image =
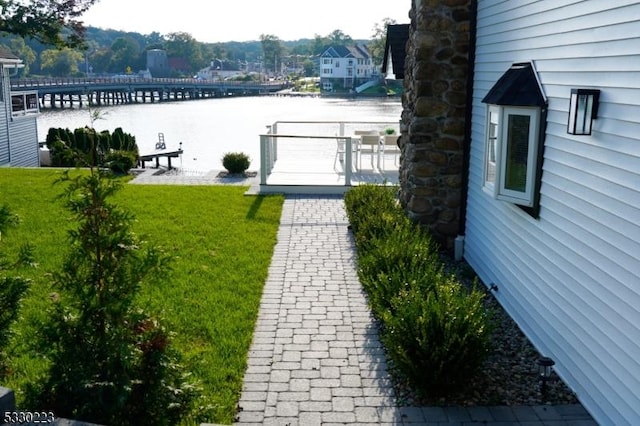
(109, 361)
(236, 162)
(435, 330)
(120, 161)
(437, 339)
(86, 147)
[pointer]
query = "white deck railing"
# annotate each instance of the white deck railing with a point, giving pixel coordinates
(305, 131)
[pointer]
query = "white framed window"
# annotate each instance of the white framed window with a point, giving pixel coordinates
(24, 103)
(511, 153)
(514, 139)
(491, 148)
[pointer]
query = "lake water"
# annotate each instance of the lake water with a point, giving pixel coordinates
(209, 128)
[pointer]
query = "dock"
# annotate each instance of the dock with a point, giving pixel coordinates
(157, 155)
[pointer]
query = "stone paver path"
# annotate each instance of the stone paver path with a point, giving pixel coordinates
(316, 358)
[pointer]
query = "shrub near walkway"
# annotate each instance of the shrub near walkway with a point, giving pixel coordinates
(435, 331)
(221, 243)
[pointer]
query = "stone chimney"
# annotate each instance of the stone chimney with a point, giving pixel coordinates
(433, 164)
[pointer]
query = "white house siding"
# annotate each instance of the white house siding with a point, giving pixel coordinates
(4, 139)
(5, 112)
(24, 144)
(570, 278)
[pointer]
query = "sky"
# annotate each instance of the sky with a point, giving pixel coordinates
(245, 20)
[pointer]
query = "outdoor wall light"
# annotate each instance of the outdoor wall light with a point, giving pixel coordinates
(583, 109)
(544, 372)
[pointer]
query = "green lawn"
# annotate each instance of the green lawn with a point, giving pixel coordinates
(221, 242)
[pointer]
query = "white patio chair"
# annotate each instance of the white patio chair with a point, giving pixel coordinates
(389, 145)
(341, 150)
(369, 144)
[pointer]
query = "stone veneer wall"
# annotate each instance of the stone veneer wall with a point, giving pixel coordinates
(433, 169)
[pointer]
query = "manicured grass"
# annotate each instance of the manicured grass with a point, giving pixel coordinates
(221, 243)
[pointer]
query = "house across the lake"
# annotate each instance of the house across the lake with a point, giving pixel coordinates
(344, 68)
(18, 118)
(521, 152)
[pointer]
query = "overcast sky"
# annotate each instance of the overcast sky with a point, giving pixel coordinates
(242, 20)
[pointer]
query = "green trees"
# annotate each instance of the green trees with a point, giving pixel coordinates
(85, 146)
(272, 50)
(50, 22)
(18, 47)
(183, 45)
(378, 40)
(110, 361)
(60, 62)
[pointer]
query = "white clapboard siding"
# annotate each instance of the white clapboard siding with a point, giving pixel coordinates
(570, 278)
(5, 112)
(24, 142)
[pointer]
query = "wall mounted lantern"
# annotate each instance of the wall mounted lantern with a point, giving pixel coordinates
(583, 109)
(544, 372)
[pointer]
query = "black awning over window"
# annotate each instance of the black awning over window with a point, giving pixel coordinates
(517, 87)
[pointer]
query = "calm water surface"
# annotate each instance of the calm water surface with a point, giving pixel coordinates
(210, 128)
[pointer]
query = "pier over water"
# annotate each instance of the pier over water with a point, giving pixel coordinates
(61, 92)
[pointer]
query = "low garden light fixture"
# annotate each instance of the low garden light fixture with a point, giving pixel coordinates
(544, 372)
(583, 109)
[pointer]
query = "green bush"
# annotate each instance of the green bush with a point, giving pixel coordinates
(405, 255)
(435, 331)
(85, 147)
(373, 213)
(236, 162)
(120, 162)
(437, 339)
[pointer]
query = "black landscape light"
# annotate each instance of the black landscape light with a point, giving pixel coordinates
(583, 109)
(544, 372)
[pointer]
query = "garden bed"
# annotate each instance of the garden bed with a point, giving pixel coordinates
(509, 375)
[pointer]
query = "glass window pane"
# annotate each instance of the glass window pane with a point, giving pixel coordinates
(32, 101)
(490, 154)
(17, 103)
(517, 151)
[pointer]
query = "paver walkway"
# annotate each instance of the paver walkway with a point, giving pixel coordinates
(316, 358)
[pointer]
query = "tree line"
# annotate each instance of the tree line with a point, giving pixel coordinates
(107, 51)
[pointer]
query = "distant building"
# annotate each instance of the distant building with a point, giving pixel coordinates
(18, 118)
(221, 69)
(343, 68)
(158, 63)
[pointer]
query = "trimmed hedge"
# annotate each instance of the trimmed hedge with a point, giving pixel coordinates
(85, 147)
(435, 330)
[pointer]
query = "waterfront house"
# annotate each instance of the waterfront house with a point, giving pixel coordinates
(521, 152)
(220, 69)
(344, 68)
(18, 118)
